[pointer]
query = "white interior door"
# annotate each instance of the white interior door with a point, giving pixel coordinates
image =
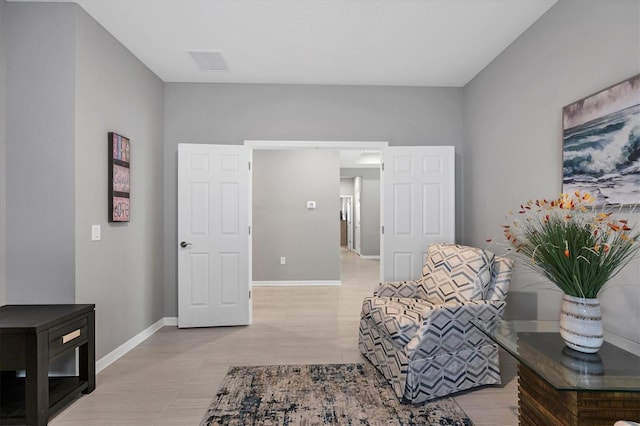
(213, 235)
(418, 208)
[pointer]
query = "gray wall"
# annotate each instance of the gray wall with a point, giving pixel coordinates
(40, 153)
(283, 182)
(233, 113)
(346, 183)
(68, 84)
(122, 273)
(369, 209)
(370, 220)
(3, 144)
(513, 135)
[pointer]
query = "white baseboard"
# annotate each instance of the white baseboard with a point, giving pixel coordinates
(370, 257)
(170, 321)
(295, 283)
(121, 350)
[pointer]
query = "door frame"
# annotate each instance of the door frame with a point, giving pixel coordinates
(349, 199)
(357, 216)
(335, 145)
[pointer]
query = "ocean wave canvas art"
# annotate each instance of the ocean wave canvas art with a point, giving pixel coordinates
(601, 144)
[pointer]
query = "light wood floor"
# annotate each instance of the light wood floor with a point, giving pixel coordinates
(171, 377)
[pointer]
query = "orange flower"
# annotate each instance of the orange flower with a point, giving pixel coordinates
(613, 227)
(586, 197)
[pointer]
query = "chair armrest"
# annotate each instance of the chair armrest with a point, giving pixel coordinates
(446, 327)
(409, 289)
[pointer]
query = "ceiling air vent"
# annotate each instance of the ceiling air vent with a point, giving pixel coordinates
(209, 60)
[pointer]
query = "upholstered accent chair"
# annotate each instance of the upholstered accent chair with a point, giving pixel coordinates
(417, 333)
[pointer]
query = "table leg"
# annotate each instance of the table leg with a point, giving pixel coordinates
(87, 354)
(37, 379)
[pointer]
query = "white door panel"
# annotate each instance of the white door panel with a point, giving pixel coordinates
(213, 222)
(419, 206)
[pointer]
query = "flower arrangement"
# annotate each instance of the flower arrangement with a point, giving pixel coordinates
(577, 246)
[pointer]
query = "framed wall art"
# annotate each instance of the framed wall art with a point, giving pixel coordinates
(119, 178)
(601, 144)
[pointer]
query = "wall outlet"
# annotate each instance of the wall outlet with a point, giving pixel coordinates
(283, 260)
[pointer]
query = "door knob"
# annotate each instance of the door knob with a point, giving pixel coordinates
(184, 244)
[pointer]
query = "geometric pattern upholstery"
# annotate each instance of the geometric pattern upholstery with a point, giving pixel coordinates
(500, 277)
(427, 349)
(399, 319)
(405, 289)
(456, 273)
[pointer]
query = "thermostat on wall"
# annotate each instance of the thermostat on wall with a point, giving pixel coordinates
(311, 205)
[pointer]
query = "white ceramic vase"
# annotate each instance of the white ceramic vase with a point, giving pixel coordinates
(581, 323)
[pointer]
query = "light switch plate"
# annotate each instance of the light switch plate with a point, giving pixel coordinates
(96, 233)
(311, 205)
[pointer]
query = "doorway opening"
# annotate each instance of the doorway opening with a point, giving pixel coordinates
(348, 214)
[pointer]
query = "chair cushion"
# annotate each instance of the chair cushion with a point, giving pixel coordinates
(500, 279)
(456, 273)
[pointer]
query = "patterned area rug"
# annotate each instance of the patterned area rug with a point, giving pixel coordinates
(333, 394)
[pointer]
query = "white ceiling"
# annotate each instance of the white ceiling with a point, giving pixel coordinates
(362, 42)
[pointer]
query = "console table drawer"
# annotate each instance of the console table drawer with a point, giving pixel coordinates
(67, 336)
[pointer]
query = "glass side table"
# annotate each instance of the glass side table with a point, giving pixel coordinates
(558, 385)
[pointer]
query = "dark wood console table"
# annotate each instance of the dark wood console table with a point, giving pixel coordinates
(30, 336)
(559, 386)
